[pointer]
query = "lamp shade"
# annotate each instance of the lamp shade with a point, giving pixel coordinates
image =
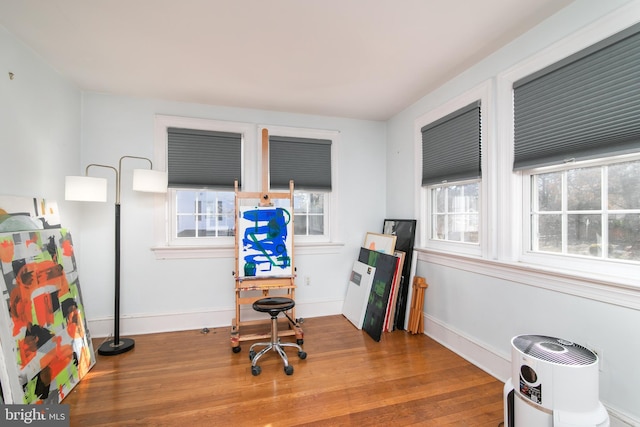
(150, 181)
(85, 189)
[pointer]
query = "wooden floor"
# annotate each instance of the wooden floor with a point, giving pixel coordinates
(193, 379)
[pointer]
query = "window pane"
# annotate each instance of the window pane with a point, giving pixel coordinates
(549, 232)
(186, 202)
(316, 225)
(208, 202)
(549, 189)
(316, 203)
(470, 228)
(186, 226)
(300, 203)
(584, 189)
(463, 198)
(455, 228)
(454, 213)
(226, 225)
(584, 234)
(624, 186)
(439, 197)
(624, 237)
(206, 226)
(300, 225)
(439, 230)
(226, 204)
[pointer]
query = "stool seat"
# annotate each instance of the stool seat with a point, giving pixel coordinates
(274, 306)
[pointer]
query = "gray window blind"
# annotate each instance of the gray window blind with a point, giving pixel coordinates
(306, 161)
(200, 158)
(586, 106)
(451, 147)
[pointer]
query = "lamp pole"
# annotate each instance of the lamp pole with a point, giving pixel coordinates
(117, 345)
(90, 189)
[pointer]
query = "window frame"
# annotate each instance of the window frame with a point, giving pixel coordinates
(482, 93)
(331, 197)
(223, 247)
(447, 215)
(566, 261)
(192, 241)
(547, 270)
(165, 225)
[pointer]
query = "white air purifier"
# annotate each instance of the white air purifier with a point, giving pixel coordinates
(554, 383)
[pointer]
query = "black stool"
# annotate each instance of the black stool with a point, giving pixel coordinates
(274, 306)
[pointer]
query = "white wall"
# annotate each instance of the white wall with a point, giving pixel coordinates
(39, 126)
(474, 307)
(159, 294)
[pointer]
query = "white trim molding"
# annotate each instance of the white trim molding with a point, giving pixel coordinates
(140, 324)
(596, 287)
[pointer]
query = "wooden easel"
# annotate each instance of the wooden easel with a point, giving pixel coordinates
(416, 316)
(265, 285)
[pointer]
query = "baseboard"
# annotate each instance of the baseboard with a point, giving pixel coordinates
(489, 360)
(492, 362)
(169, 322)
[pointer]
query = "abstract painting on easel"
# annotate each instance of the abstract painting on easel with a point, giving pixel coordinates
(266, 242)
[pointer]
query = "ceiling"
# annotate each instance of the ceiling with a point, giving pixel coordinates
(364, 59)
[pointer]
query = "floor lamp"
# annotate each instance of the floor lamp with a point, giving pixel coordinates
(91, 189)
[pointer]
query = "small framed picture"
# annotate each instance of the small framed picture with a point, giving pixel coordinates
(385, 243)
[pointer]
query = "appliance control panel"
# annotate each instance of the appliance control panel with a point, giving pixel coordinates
(528, 386)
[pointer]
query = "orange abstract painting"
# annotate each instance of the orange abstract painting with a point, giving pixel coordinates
(46, 347)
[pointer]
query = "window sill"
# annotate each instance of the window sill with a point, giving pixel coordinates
(227, 251)
(602, 288)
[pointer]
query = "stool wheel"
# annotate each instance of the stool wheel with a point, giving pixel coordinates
(255, 370)
(288, 370)
(302, 355)
(236, 349)
(299, 341)
(252, 354)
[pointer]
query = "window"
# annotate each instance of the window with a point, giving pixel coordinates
(304, 156)
(591, 211)
(309, 212)
(198, 162)
(202, 213)
(455, 215)
(203, 159)
(450, 142)
(575, 124)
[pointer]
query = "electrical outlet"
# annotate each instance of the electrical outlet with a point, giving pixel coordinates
(307, 280)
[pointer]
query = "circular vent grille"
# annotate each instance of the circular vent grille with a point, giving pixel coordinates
(554, 350)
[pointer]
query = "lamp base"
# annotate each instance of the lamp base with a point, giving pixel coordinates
(110, 348)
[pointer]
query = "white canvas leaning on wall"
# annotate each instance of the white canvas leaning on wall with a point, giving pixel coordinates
(358, 289)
